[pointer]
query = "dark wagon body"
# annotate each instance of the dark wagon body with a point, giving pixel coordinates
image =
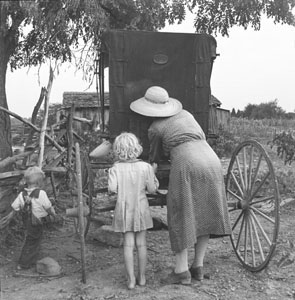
(179, 62)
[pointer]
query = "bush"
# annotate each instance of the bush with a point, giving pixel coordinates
(225, 144)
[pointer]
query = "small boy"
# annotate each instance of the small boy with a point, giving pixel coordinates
(34, 205)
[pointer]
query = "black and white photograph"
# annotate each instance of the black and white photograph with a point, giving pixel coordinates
(147, 149)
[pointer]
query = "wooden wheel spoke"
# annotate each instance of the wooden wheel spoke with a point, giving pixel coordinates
(256, 170)
(240, 233)
(237, 184)
(233, 205)
(250, 167)
(237, 220)
(234, 195)
(260, 228)
(263, 215)
(240, 174)
(246, 238)
(245, 169)
(259, 186)
(252, 243)
(257, 239)
(262, 200)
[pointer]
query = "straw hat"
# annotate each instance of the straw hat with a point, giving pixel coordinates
(156, 103)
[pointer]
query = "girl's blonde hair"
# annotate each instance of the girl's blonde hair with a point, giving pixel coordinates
(34, 175)
(126, 146)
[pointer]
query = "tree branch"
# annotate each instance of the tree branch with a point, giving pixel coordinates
(32, 126)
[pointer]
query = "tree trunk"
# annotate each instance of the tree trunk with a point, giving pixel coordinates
(8, 42)
(5, 126)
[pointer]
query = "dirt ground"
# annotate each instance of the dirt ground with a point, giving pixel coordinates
(105, 269)
(105, 277)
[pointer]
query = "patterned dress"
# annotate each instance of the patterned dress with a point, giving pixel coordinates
(196, 199)
(130, 180)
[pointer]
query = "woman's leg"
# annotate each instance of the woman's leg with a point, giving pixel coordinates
(128, 258)
(181, 274)
(200, 250)
(140, 240)
(181, 261)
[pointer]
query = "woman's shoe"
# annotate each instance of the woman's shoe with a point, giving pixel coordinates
(178, 278)
(198, 273)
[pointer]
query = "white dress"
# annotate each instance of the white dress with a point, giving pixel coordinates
(131, 180)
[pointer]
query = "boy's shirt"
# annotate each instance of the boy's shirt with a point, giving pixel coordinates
(39, 205)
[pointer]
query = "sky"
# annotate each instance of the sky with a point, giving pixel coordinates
(252, 67)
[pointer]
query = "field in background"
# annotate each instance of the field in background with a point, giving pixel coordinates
(262, 131)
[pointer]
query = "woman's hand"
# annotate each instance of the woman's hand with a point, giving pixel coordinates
(155, 167)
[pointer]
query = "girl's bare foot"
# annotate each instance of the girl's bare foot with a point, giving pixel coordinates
(131, 283)
(141, 281)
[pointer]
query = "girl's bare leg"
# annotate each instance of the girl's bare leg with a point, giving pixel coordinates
(129, 259)
(140, 240)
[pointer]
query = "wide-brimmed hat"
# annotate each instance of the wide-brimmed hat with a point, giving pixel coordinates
(156, 103)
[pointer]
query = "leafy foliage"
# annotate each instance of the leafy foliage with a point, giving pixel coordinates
(264, 110)
(59, 29)
(225, 144)
(67, 30)
(219, 16)
(285, 146)
(268, 110)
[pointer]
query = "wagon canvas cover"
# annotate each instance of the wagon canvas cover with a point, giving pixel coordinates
(179, 62)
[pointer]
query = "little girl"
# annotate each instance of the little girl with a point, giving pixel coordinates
(130, 178)
(34, 205)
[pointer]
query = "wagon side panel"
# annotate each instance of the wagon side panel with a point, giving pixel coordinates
(181, 63)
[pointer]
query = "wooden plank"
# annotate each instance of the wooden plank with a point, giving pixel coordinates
(81, 211)
(109, 202)
(62, 170)
(11, 174)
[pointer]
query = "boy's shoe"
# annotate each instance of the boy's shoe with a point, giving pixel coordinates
(178, 278)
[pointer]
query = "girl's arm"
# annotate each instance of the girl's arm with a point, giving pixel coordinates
(112, 180)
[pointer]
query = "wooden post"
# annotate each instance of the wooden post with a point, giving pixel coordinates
(44, 124)
(80, 210)
(70, 134)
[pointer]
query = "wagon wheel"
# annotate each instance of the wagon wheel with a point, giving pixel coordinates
(87, 190)
(253, 203)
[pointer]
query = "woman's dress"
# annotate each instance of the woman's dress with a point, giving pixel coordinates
(196, 199)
